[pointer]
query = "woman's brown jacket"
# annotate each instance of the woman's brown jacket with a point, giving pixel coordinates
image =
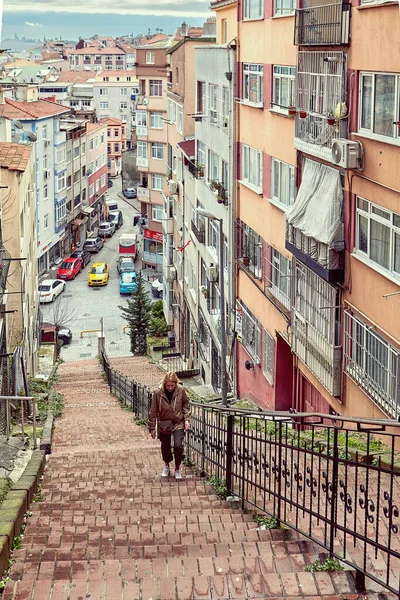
(178, 411)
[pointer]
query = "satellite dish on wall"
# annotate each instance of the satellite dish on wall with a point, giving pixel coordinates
(30, 136)
(17, 124)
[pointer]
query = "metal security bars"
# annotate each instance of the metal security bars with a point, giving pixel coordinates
(326, 25)
(333, 479)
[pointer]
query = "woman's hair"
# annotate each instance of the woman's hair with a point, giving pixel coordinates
(170, 376)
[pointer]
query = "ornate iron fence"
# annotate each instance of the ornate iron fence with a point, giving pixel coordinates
(335, 480)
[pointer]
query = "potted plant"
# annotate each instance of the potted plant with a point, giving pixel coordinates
(204, 291)
(220, 199)
(200, 170)
(214, 185)
(330, 118)
(302, 114)
(291, 111)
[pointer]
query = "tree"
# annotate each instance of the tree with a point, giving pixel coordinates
(138, 314)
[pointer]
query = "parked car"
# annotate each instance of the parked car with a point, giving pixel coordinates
(116, 217)
(93, 244)
(69, 268)
(106, 229)
(157, 287)
(128, 283)
(49, 289)
(110, 183)
(125, 265)
(82, 255)
(64, 336)
(130, 193)
(98, 274)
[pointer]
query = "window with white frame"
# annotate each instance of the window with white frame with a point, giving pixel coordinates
(379, 107)
(373, 363)
(61, 211)
(212, 102)
(103, 180)
(157, 182)
(45, 161)
(201, 154)
(251, 334)
(278, 277)
(157, 150)
(179, 120)
(150, 58)
(201, 97)
(252, 248)
(45, 191)
(83, 150)
(155, 87)
(123, 105)
(213, 234)
(378, 236)
(158, 213)
(141, 118)
(124, 91)
(91, 190)
(103, 91)
(91, 144)
(102, 138)
(76, 152)
(46, 221)
(282, 183)
(61, 155)
(61, 182)
(284, 7)
(97, 186)
(268, 363)
(283, 87)
(156, 120)
(253, 9)
(225, 104)
(142, 149)
(252, 167)
(253, 83)
(212, 171)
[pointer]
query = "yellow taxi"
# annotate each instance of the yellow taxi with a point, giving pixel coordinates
(98, 275)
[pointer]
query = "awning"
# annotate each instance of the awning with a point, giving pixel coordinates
(188, 148)
(78, 222)
(88, 210)
(317, 212)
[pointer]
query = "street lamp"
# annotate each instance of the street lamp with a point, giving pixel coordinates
(208, 215)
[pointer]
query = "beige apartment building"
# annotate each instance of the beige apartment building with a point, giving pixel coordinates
(19, 237)
(97, 59)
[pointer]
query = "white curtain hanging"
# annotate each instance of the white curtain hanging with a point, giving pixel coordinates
(317, 212)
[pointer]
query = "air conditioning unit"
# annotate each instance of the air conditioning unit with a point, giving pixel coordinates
(47, 142)
(170, 274)
(346, 154)
(212, 272)
(172, 186)
(47, 174)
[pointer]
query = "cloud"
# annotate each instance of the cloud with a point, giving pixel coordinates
(33, 24)
(172, 8)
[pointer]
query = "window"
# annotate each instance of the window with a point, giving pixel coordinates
(91, 144)
(253, 9)
(123, 105)
(158, 213)
(213, 235)
(124, 118)
(45, 191)
(142, 149)
(150, 60)
(252, 249)
(284, 7)
(45, 161)
(116, 147)
(44, 131)
(61, 211)
(201, 154)
(83, 150)
(277, 276)
(156, 120)
(103, 91)
(91, 190)
(76, 152)
(224, 31)
(283, 87)
(61, 182)
(179, 122)
(225, 103)
(282, 182)
(124, 91)
(379, 104)
(253, 81)
(201, 97)
(213, 160)
(116, 132)
(378, 236)
(155, 87)
(213, 102)
(157, 150)
(157, 182)
(102, 138)
(252, 167)
(46, 221)
(141, 118)
(268, 363)
(61, 154)
(373, 363)
(103, 180)
(251, 334)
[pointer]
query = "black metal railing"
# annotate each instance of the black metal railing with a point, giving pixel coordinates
(333, 479)
(324, 25)
(199, 233)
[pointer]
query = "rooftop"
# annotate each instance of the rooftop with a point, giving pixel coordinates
(26, 111)
(98, 51)
(14, 157)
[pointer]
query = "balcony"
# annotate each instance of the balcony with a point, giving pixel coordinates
(199, 233)
(141, 131)
(326, 25)
(142, 162)
(143, 193)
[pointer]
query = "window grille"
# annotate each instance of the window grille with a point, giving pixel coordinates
(251, 334)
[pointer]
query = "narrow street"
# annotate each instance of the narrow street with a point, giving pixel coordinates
(85, 306)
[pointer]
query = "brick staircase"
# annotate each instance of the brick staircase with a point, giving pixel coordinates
(109, 528)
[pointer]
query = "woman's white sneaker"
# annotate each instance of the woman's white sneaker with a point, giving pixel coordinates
(178, 475)
(165, 472)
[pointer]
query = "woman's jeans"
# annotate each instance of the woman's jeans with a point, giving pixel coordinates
(166, 451)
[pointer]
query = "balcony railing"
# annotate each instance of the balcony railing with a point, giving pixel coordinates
(199, 233)
(327, 25)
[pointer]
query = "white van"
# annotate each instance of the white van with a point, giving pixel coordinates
(111, 205)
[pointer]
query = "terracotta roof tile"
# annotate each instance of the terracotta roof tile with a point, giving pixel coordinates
(111, 121)
(76, 76)
(14, 157)
(26, 111)
(94, 126)
(92, 50)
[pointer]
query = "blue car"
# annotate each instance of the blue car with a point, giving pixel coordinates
(128, 283)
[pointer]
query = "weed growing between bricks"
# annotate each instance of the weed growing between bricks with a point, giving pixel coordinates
(16, 545)
(219, 486)
(327, 566)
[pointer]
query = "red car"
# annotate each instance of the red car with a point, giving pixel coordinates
(69, 268)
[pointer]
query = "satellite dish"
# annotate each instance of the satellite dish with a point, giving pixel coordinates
(30, 136)
(145, 101)
(17, 124)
